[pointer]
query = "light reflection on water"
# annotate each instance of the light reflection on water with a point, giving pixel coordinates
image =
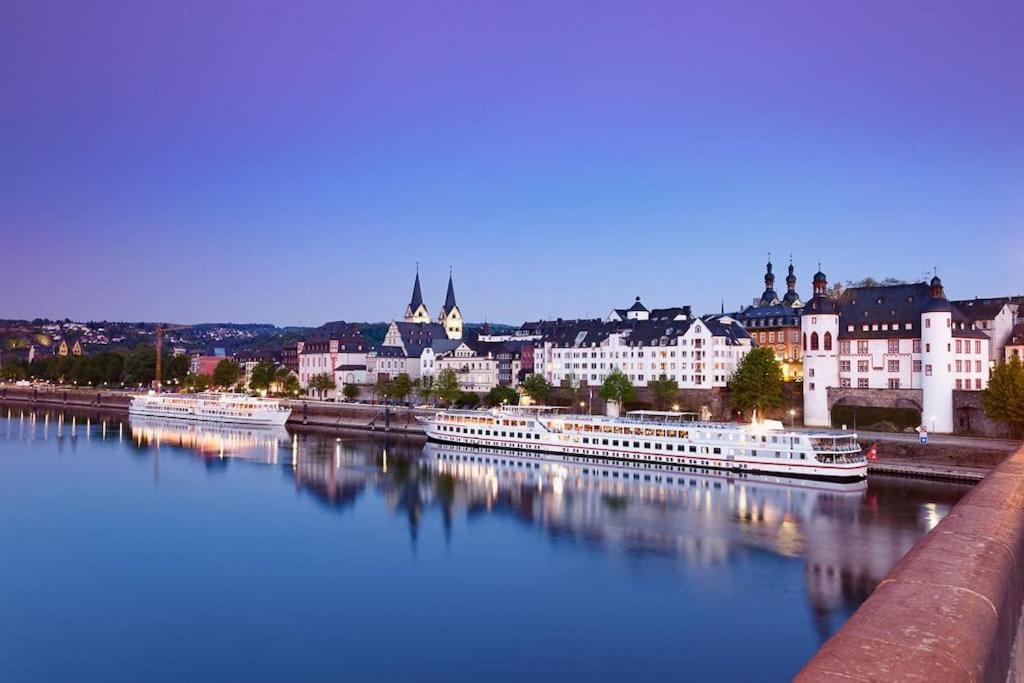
(791, 556)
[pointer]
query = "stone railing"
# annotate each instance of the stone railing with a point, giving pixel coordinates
(951, 608)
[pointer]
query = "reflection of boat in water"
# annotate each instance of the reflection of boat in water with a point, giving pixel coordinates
(239, 441)
(534, 467)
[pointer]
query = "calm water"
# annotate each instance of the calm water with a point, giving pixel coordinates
(150, 551)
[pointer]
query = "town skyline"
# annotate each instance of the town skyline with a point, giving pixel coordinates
(561, 157)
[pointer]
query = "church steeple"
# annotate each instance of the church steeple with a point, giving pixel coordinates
(450, 315)
(769, 297)
(416, 311)
(791, 298)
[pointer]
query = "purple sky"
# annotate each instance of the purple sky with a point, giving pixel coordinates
(290, 162)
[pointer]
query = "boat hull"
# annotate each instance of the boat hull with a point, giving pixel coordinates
(837, 472)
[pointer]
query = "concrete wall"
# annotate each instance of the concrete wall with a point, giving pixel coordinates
(951, 608)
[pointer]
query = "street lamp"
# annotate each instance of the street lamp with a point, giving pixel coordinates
(675, 407)
(792, 417)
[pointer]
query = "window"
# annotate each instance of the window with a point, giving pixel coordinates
(894, 382)
(928, 323)
(814, 341)
(828, 341)
(894, 366)
(862, 366)
(862, 382)
(844, 346)
(928, 370)
(862, 347)
(844, 366)
(917, 366)
(917, 346)
(844, 382)
(894, 346)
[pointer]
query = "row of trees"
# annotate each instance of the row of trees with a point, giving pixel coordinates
(108, 368)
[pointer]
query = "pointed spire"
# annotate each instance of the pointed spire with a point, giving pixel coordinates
(417, 295)
(449, 299)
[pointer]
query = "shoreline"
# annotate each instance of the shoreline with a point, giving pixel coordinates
(937, 462)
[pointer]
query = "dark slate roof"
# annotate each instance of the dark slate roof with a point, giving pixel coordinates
(350, 367)
(391, 352)
(417, 295)
(734, 332)
(637, 306)
(449, 299)
(769, 297)
(778, 315)
(982, 309)
(670, 313)
(891, 304)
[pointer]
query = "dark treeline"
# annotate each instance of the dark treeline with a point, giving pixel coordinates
(110, 368)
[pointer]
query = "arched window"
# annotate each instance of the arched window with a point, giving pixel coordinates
(805, 341)
(814, 341)
(828, 341)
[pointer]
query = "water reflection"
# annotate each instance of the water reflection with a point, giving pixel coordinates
(847, 536)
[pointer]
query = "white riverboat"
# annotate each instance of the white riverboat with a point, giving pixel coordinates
(211, 407)
(656, 437)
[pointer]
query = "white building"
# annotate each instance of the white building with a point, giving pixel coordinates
(646, 345)
(995, 317)
(891, 337)
(475, 372)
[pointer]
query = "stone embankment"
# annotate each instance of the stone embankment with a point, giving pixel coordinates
(951, 608)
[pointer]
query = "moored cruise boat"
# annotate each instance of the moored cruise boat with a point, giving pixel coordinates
(656, 437)
(211, 407)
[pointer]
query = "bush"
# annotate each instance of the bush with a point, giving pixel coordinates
(467, 399)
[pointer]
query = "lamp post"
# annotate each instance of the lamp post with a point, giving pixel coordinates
(792, 417)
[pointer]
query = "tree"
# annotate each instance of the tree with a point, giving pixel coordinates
(174, 368)
(537, 388)
(446, 386)
(195, 383)
(321, 383)
(350, 391)
(12, 371)
(264, 374)
(664, 391)
(382, 389)
(140, 365)
(425, 387)
(757, 382)
(226, 373)
(501, 395)
(289, 384)
(1003, 400)
(617, 387)
(467, 399)
(400, 387)
(572, 389)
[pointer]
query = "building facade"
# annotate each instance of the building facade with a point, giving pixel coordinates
(645, 345)
(896, 337)
(343, 356)
(774, 322)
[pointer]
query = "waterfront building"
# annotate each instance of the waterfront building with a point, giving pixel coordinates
(476, 370)
(290, 355)
(203, 365)
(340, 353)
(695, 352)
(995, 317)
(774, 322)
(887, 346)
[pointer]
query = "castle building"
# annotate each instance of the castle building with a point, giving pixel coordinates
(774, 322)
(339, 352)
(904, 344)
(995, 317)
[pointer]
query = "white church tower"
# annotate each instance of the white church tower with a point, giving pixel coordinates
(937, 360)
(450, 316)
(819, 325)
(416, 311)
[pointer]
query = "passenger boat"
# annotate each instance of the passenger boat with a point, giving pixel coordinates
(658, 437)
(211, 407)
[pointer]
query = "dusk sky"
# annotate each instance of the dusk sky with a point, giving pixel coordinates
(290, 162)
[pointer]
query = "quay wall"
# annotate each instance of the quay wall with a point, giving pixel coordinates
(304, 413)
(951, 609)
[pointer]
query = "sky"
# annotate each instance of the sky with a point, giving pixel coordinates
(292, 162)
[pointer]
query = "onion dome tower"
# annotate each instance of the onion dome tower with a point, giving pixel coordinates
(791, 298)
(819, 328)
(769, 297)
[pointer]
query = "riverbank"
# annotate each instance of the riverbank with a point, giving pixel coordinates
(949, 458)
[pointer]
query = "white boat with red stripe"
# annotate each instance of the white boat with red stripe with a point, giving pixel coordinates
(657, 437)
